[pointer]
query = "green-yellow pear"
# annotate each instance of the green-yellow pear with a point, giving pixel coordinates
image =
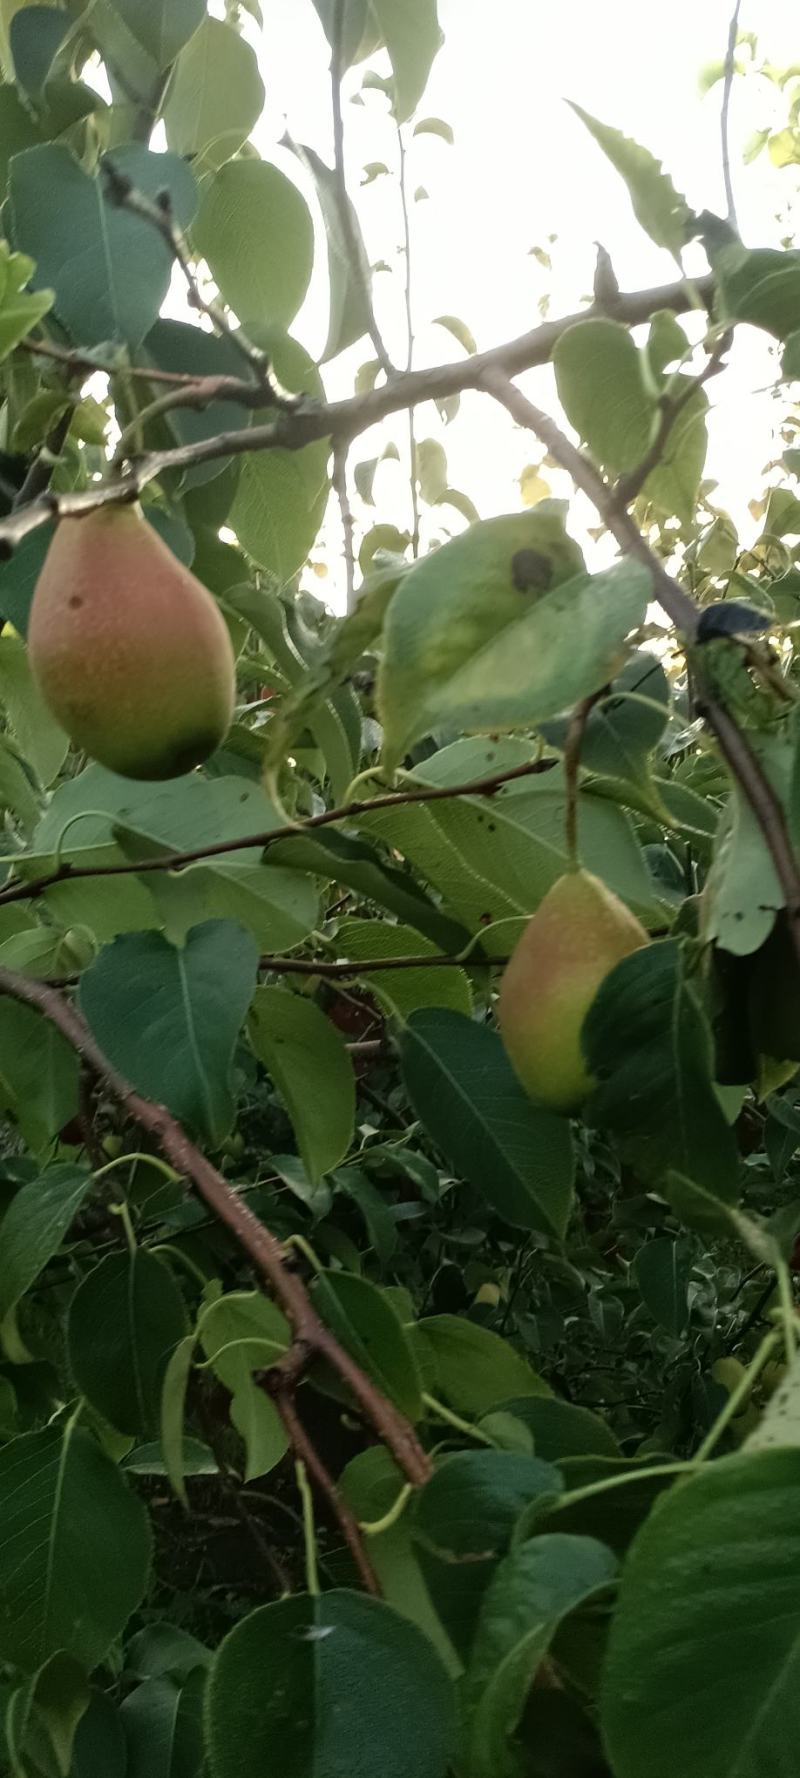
(131, 653)
(577, 935)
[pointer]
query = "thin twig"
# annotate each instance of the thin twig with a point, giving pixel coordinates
(631, 484)
(412, 442)
(75, 361)
(358, 269)
(730, 66)
(744, 766)
(339, 482)
(311, 420)
(306, 1452)
(198, 394)
(423, 793)
(331, 971)
(160, 215)
(311, 1338)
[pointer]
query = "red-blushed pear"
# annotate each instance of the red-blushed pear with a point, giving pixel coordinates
(131, 653)
(576, 936)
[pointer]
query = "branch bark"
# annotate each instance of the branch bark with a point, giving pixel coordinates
(309, 420)
(310, 1337)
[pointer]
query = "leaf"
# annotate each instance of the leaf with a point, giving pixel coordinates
(561, 1428)
(20, 310)
(349, 315)
(125, 1320)
(109, 269)
(674, 485)
(41, 740)
(376, 1212)
(281, 495)
(760, 285)
(461, 1084)
(38, 1074)
(162, 27)
(465, 646)
(360, 866)
(176, 346)
(410, 31)
(371, 1484)
(242, 1333)
(45, 1713)
(600, 377)
(354, 27)
(18, 131)
(74, 1549)
(647, 1041)
(710, 1587)
(100, 1742)
(215, 94)
(34, 1226)
(435, 126)
(35, 36)
(164, 1728)
(657, 206)
(532, 1590)
(254, 228)
(364, 1321)
(173, 1404)
(430, 469)
(621, 732)
(308, 1061)
(463, 1521)
(662, 1271)
(403, 990)
(353, 1688)
(473, 1368)
(169, 1018)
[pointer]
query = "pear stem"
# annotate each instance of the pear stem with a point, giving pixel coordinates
(572, 760)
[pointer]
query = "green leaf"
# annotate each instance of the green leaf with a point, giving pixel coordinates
(353, 1688)
(494, 859)
(531, 1592)
(254, 228)
(657, 206)
(18, 131)
(41, 740)
(281, 495)
(354, 26)
(674, 485)
(164, 1728)
(360, 866)
(173, 1405)
(435, 126)
(308, 1061)
(461, 1084)
(410, 31)
(34, 1226)
(403, 990)
(621, 733)
(109, 269)
(349, 317)
(100, 1742)
(376, 1212)
(600, 376)
(215, 95)
(762, 286)
(74, 1549)
(45, 1713)
(473, 1368)
(430, 468)
(464, 645)
(162, 27)
(125, 1320)
(711, 1588)
(178, 347)
(243, 1333)
(35, 37)
(561, 1428)
(663, 1269)
(38, 1074)
(20, 310)
(169, 1018)
(647, 1041)
(463, 1521)
(780, 1421)
(371, 1484)
(363, 1319)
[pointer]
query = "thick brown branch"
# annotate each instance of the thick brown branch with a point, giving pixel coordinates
(311, 1336)
(423, 793)
(310, 421)
(733, 743)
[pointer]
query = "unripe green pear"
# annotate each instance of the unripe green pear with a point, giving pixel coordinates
(577, 935)
(131, 653)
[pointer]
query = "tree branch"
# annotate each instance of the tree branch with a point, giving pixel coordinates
(730, 66)
(310, 1337)
(358, 269)
(733, 743)
(339, 481)
(283, 1396)
(423, 793)
(310, 421)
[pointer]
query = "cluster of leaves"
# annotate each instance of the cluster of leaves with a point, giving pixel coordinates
(576, 1317)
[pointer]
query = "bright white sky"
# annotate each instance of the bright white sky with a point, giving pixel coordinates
(522, 169)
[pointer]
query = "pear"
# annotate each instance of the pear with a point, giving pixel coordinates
(577, 935)
(130, 652)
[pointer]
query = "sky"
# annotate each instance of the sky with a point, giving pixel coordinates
(523, 169)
